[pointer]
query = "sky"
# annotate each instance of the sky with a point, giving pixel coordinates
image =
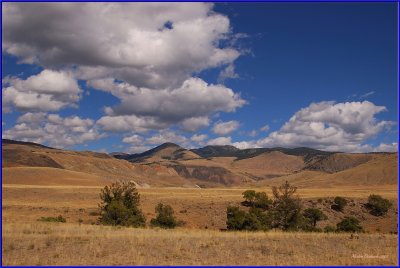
(126, 77)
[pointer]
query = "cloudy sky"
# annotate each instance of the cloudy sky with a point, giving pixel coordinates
(130, 76)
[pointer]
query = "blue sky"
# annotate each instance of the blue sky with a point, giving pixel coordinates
(321, 75)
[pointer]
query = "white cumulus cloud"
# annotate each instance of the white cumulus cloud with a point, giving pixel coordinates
(47, 91)
(223, 128)
(53, 130)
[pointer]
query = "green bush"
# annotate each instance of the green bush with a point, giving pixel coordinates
(261, 219)
(313, 215)
(235, 218)
(249, 196)
(254, 220)
(120, 205)
(349, 224)
(286, 209)
(378, 205)
(261, 200)
(339, 203)
(53, 219)
(329, 229)
(256, 199)
(165, 217)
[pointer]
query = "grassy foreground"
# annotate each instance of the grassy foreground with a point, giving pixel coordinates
(41, 243)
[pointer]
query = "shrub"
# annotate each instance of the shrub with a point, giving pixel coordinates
(256, 199)
(257, 219)
(329, 229)
(254, 220)
(165, 217)
(261, 200)
(339, 203)
(53, 219)
(349, 224)
(249, 196)
(235, 218)
(286, 208)
(313, 215)
(120, 205)
(378, 205)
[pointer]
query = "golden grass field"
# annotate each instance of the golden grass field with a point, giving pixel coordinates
(80, 241)
(73, 244)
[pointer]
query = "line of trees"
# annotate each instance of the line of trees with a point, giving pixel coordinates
(120, 206)
(284, 211)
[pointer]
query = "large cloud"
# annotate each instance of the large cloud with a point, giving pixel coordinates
(190, 104)
(155, 45)
(145, 54)
(53, 130)
(329, 126)
(47, 91)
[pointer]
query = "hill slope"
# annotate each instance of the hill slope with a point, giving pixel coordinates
(172, 165)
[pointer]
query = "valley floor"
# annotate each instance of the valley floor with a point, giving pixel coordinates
(79, 241)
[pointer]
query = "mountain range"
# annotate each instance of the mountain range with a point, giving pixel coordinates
(211, 166)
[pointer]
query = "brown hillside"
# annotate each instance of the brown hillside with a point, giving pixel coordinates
(98, 164)
(338, 162)
(380, 170)
(50, 176)
(270, 164)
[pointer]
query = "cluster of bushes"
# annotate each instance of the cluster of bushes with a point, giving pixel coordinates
(378, 205)
(120, 206)
(339, 203)
(284, 211)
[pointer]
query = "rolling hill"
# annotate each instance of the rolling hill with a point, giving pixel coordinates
(170, 165)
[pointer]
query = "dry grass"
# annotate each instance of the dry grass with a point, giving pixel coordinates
(72, 244)
(29, 242)
(199, 208)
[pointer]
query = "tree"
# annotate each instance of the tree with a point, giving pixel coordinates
(253, 220)
(249, 196)
(235, 218)
(313, 215)
(378, 205)
(339, 203)
(261, 200)
(349, 224)
(286, 207)
(165, 217)
(256, 199)
(263, 220)
(120, 205)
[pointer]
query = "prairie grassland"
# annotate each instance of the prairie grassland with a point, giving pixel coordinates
(27, 241)
(199, 208)
(72, 244)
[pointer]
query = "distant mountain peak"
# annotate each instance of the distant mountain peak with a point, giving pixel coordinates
(167, 145)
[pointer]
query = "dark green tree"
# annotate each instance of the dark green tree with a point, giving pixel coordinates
(286, 207)
(339, 203)
(378, 205)
(249, 196)
(165, 217)
(120, 205)
(235, 218)
(261, 200)
(313, 215)
(349, 224)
